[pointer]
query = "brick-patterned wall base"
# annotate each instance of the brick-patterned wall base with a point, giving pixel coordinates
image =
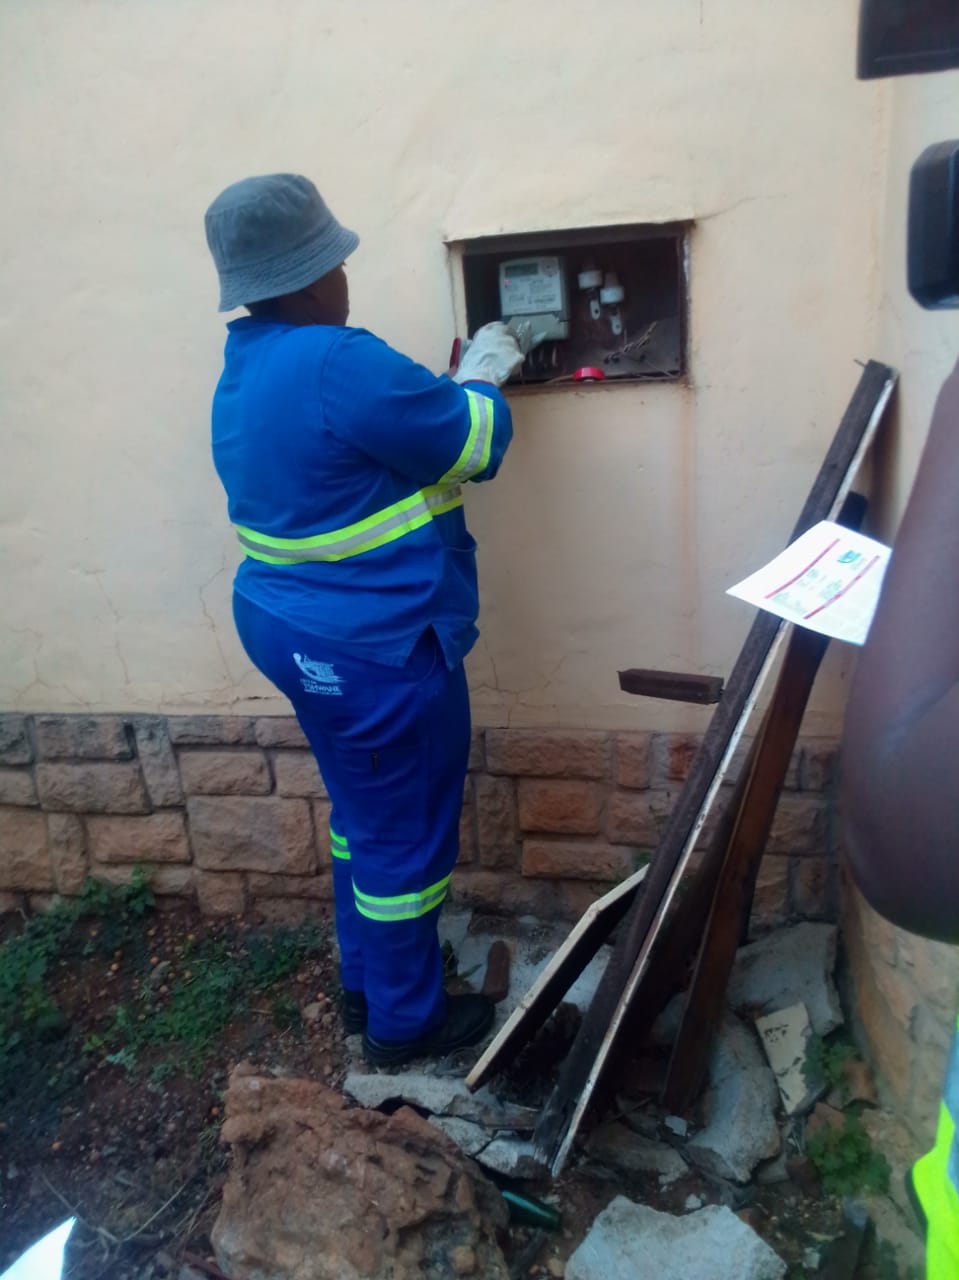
(230, 811)
(905, 1003)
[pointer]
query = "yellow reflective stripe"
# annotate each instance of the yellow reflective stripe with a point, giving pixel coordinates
(441, 499)
(474, 456)
(338, 846)
(365, 535)
(337, 535)
(406, 906)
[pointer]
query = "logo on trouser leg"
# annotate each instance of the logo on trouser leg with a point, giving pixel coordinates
(319, 677)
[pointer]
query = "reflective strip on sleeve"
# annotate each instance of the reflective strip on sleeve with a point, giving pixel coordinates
(407, 906)
(474, 457)
(338, 846)
(354, 539)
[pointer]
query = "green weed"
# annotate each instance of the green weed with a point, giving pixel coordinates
(28, 1012)
(846, 1161)
(214, 983)
(827, 1062)
(212, 989)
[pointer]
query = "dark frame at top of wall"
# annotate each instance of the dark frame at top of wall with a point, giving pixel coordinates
(622, 237)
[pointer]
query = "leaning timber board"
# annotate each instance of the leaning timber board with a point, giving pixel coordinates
(580, 1073)
(557, 976)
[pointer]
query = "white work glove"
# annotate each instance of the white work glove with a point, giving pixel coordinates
(493, 355)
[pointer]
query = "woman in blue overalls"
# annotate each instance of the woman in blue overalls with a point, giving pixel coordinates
(342, 462)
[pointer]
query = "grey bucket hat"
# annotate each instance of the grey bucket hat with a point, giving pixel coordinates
(273, 235)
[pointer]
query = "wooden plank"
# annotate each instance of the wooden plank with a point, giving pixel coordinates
(728, 916)
(559, 1130)
(730, 906)
(675, 953)
(556, 978)
(672, 685)
(498, 963)
(677, 944)
(584, 1063)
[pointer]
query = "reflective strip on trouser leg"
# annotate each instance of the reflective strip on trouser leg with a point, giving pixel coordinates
(338, 846)
(404, 906)
(393, 751)
(347, 931)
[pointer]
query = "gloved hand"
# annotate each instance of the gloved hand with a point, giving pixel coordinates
(493, 355)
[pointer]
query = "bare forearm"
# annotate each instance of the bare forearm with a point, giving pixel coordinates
(901, 742)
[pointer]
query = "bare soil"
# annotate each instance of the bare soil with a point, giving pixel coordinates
(98, 1122)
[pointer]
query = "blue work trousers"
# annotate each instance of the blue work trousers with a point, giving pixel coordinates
(392, 745)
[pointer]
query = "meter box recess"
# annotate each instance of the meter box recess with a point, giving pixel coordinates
(609, 299)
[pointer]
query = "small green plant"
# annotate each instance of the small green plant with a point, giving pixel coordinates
(214, 982)
(213, 987)
(124, 1058)
(28, 1013)
(827, 1062)
(160, 1072)
(846, 1160)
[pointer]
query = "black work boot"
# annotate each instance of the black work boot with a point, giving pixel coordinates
(353, 1010)
(468, 1018)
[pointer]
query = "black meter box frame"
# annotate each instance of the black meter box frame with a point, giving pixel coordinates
(606, 298)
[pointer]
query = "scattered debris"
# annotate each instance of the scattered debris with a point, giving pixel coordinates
(740, 1107)
(785, 1036)
(637, 1149)
(321, 1191)
(438, 1095)
(842, 1255)
(469, 1137)
(512, 1158)
(615, 1145)
(633, 1242)
(788, 967)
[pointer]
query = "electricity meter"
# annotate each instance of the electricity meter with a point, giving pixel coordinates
(534, 290)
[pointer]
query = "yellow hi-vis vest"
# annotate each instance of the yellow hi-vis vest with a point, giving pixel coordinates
(935, 1179)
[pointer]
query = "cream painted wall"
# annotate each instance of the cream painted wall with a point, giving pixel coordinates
(621, 514)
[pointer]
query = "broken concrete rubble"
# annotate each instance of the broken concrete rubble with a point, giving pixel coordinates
(531, 945)
(785, 1037)
(739, 1106)
(641, 1153)
(788, 967)
(322, 1191)
(474, 1121)
(511, 1157)
(469, 1137)
(633, 1242)
(438, 1095)
(615, 1145)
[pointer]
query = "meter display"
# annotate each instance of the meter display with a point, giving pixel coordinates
(534, 289)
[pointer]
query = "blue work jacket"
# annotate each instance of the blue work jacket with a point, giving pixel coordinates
(342, 461)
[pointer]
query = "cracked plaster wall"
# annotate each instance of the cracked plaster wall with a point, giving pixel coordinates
(622, 513)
